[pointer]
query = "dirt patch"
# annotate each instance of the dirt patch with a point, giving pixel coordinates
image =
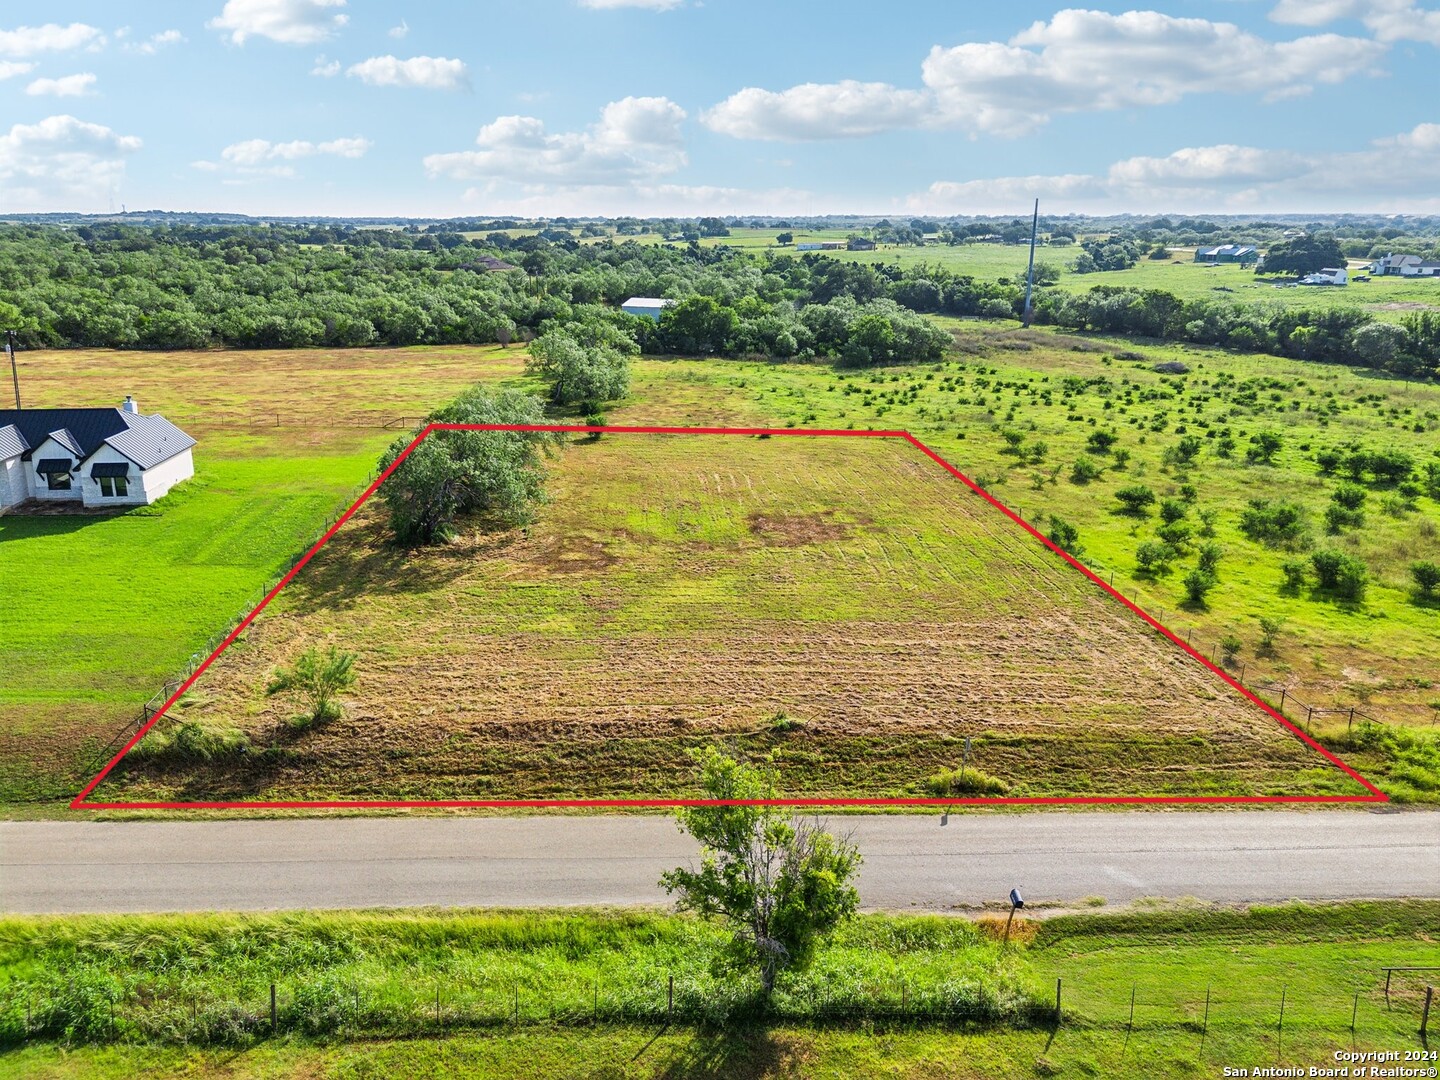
(1402, 305)
(570, 554)
(792, 530)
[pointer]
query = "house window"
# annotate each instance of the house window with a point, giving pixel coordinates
(58, 481)
(113, 487)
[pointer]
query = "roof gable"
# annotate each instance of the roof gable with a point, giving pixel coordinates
(149, 440)
(81, 431)
(12, 442)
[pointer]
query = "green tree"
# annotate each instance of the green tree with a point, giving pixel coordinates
(316, 678)
(1198, 585)
(579, 372)
(452, 473)
(782, 884)
(1135, 500)
(1155, 557)
(1064, 536)
(1427, 577)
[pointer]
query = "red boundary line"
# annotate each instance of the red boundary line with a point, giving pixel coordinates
(1375, 794)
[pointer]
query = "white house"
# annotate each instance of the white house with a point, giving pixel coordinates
(1395, 265)
(1331, 275)
(1421, 269)
(93, 457)
(649, 306)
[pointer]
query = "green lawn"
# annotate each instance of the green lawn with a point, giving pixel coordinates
(356, 995)
(100, 611)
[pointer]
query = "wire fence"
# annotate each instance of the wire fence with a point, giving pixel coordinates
(88, 1010)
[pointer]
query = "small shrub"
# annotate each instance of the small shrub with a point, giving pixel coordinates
(1230, 647)
(1135, 500)
(1198, 585)
(1173, 510)
(316, 678)
(1270, 627)
(1064, 535)
(1297, 574)
(1084, 470)
(1427, 578)
(1155, 557)
(969, 781)
(1210, 555)
(1342, 574)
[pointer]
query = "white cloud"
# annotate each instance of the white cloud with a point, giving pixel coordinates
(636, 139)
(290, 22)
(62, 163)
(52, 37)
(255, 152)
(1388, 20)
(65, 86)
(1079, 61)
(1219, 179)
(10, 68)
(153, 44)
(649, 5)
(425, 72)
(326, 69)
(818, 111)
(399, 31)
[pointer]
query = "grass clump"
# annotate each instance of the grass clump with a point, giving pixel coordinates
(965, 781)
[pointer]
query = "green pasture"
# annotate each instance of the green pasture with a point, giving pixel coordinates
(587, 994)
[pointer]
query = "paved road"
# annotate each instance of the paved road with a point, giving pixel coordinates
(910, 862)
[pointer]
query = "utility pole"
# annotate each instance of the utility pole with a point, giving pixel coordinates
(1030, 271)
(10, 336)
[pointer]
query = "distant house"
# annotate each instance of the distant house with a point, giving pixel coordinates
(1228, 253)
(859, 243)
(1425, 269)
(648, 306)
(1331, 275)
(92, 457)
(1395, 265)
(822, 245)
(488, 264)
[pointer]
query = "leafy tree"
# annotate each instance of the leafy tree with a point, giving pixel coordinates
(1303, 255)
(1064, 536)
(1173, 510)
(1264, 446)
(580, 373)
(1339, 573)
(784, 239)
(1270, 628)
(782, 885)
(1274, 522)
(1155, 557)
(1427, 577)
(316, 678)
(1198, 585)
(1135, 500)
(1084, 470)
(1210, 556)
(1100, 442)
(451, 473)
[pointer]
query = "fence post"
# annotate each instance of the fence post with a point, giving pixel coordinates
(670, 1001)
(1309, 715)
(1057, 1002)
(1280, 1030)
(274, 1014)
(1388, 973)
(1425, 1013)
(1354, 1010)
(1205, 1026)
(1283, 692)
(517, 1003)
(1131, 1024)
(1350, 722)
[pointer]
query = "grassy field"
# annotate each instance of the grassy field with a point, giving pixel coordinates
(100, 611)
(841, 603)
(1381, 655)
(189, 995)
(1388, 299)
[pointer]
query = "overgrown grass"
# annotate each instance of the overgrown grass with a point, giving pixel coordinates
(171, 975)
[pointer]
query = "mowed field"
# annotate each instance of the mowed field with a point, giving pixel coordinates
(841, 603)
(99, 611)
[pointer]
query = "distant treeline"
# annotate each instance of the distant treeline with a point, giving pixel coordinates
(281, 286)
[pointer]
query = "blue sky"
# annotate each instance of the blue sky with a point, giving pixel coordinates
(458, 107)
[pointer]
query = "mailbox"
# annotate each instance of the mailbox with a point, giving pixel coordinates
(1016, 900)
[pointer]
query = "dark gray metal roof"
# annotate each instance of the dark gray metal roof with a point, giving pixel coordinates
(54, 465)
(145, 440)
(110, 468)
(12, 443)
